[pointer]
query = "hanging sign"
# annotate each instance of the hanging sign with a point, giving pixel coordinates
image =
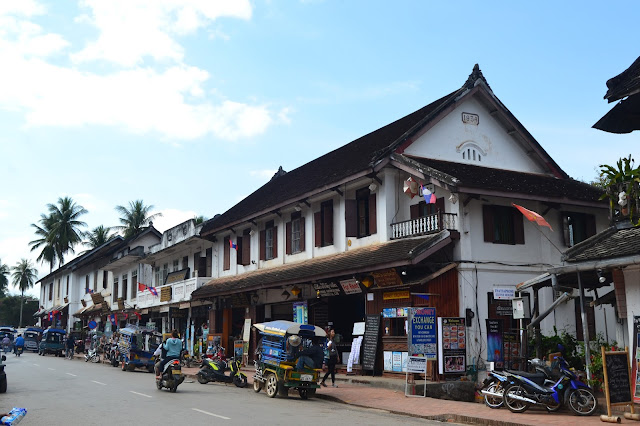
(326, 289)
(350, 286)
(390, 295)
(386, 278)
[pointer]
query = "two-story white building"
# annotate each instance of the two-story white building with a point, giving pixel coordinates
(353, 232)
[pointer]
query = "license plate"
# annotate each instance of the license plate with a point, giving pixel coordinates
(174, 371)
(306, 377)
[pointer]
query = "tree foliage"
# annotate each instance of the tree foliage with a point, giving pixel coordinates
(10, 310)
(135, 218)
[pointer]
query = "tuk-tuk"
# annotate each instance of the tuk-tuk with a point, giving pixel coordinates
(32, 337)
(52, 342)
(136, 346)
(276, 367)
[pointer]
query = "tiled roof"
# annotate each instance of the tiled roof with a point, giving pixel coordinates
(624, 84)
(488, 179)
(369, 258)
(610, 243)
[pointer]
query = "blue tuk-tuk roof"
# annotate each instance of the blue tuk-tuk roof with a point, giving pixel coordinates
(282, 327)
(55, 330)
(37, 329)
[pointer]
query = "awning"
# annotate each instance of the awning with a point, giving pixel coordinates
(386, 255)
(534, 282)
(89, 310)
(607, 299)
(40, 312)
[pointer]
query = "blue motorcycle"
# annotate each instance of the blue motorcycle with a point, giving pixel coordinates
(523, 392)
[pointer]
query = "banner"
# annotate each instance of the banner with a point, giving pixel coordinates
(495, 349)
(422, 332)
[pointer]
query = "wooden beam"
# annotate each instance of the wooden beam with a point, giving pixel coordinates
(336, 189)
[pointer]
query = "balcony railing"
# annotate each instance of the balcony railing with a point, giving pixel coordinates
(180, 292)
(424, 225)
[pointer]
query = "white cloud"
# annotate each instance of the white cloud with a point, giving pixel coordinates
(130, 30)
(22, 7)
(5, 205)
(171, 218)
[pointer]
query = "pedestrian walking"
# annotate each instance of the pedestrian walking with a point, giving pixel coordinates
(333, 360)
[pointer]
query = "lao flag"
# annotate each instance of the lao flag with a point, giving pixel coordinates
(89, 290)
(232, 244)
(153, 291)
(429, 197)
(50, 316)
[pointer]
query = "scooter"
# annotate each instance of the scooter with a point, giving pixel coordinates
(113, 355)
(19, 350)
(92, 355)
(3, 376)
(171, 376)
(214, 371)
(522, 392)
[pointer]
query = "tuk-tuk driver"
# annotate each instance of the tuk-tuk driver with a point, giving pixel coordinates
(311, 357)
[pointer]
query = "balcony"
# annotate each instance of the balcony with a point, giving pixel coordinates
(424, 225)
(179, 291)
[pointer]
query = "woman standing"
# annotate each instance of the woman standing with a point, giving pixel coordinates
(333, 360)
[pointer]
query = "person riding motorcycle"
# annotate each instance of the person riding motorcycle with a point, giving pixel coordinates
(173, 347)
(6, 343)
(19, 344)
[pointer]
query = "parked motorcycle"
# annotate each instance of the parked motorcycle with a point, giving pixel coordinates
(214, 371)
(3, 376)
(523, 392)
(92, 355)
(171, 376)
(113, 355)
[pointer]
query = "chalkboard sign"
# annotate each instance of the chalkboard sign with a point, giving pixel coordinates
(617, 383)
(370, 342)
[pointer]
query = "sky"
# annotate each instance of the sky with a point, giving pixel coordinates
(191, 105)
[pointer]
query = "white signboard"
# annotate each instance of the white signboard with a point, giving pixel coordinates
(504, 293)
(247, 329)
(417, 364)
(350, 286)
(358, 329)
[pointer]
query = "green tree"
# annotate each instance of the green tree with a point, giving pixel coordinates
(65, 227)
(10, 309)
(4, 282)
(24, 277)
(46, 242)
(199, 219)
(134, 218)
(97, 237)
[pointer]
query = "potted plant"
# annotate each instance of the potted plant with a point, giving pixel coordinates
(622, 187)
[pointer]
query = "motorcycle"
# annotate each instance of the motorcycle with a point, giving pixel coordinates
(3, 376)
(113, 355)
(214, 371)
(92, 355)
(523, 392)
(494, 385)
(171, 376)
(19, 350)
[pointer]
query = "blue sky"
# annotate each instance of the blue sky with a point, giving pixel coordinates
(190, 105)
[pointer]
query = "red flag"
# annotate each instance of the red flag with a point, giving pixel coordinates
(126, 316)
(116, 317)
(532, 216)
(141, 287)
(138, 315)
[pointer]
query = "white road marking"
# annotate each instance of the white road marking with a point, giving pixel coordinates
(100, 383)
(72, 375)
(52, 369)
(211, 414)
(141, 394)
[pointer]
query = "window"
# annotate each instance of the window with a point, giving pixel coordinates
(295, 234)
(165, 272)
(134, 283)
(323, 222)
(176, 265)
(423, 209)
(67, 293)
(185, 262)
(105, 278)
(502, 225)
(244, 248)
(125, 281)
(95, 281)
(115, 288)
(157, 276)
(471, 152)
(268, 241)
(577, 227)
(86, 284)
(50, 291)
(226, 255)
(360, 214)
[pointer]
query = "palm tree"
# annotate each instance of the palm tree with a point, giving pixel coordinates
(4, 283)
(66, 227)
(97, 237)
(48, 253)
(135, 218)
(24, 277)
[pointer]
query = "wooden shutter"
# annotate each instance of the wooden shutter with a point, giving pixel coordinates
(518, 226)
(440, 204)
(373, 219)
(327, 220)
(246, 249)
(590, 221)
(564, 219)
(415, 211)
(351, 217)
(302, 221)
(287, 238)
(487, 221)
(275, 243)
(263, 245)
(226, 262)
(317, 228)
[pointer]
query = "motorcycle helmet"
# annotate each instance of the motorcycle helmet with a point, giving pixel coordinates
(295, 341)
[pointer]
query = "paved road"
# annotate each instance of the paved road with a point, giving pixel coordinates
(57, 391)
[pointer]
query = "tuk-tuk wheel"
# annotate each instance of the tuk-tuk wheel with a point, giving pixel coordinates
(271, 385)
(257, 385)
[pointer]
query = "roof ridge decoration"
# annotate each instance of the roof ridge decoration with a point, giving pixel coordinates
(476, 75)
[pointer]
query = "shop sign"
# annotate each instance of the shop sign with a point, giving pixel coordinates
(300, 312)
(504, 293)
(417, 364)
(239, 300)
(151, 326)
(350, 286)
(165, 294)
(326, 289)
(386, 278)
(174, 312)
(422, 332)
(390, 295)
(453, 346)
